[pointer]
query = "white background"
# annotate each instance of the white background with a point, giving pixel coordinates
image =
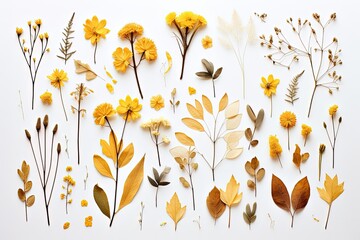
(344, 219)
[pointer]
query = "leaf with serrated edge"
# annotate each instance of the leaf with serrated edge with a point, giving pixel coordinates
(184, 139)
(332, 189)
(280, 194)
(132, 184)
(232, 110)
(193, 124)
(233, 122)
(233, 153)
(126, 155)
(300, 194)
(251, 113)
(101, 200)
(84, 68)
(214, 204)
(223, 102)
(207, 104)
(174, 209)
(194, 112)
(102, 166)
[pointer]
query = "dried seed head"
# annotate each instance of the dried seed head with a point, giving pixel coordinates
(340, 119)
(46, 121)
(55, 129)
(28, 135)
(333, 16)
(324, 124)
(38, 124)
(58, 148)
(322, 148)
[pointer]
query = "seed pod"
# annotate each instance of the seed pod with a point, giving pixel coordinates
(58, 148)
(28, 135)
(46, 121)
(322, 148)
(55, 129)
(38, 124)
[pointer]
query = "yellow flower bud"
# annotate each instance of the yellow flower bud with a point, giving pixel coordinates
(38, 22)
(19, 31)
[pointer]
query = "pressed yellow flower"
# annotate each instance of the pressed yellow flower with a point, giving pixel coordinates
(165, 140)
(68, 179)
(287, 119)
(38, 22)
(157, 102)
(207, 42)
(41, 37)
(146, 47)
(170, 18)
(102, 112)
(110, 88)
(305, 131)
(129, 108)
(69, 168)
(130, 31)
(19, 31)
(66, 225)
(84, 203)
(269, 85)
(333, 109)
(191, 90)
(58, 77)
(46, 35)
(275, 148)
(62, 196)
(46, 98)
(95, 29)
(88, 221)
(202, 21)
(187, 19)
(121, 58)
(70, 201)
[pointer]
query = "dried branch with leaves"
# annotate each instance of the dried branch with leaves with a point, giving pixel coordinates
(249, 214)
(312, 43)
(67, 41)
(174, 103)
(24, 175)
(209, 74)
(257, 120)
(258, 175)
(293, 88)
(158, 180)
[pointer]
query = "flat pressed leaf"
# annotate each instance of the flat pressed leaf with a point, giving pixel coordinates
(300, 194)
(169, 63)
(332, 189)
(233, 122)
(248, 134)
(214, 204)
(102, 166)
(152, 182)
(164, 183)
(231, 197)
(21, 175)
(183, 181)
(249, 169)
(254, 163)
(246, 218)
(101, 200)
(156, 175)
(84, 68)
(204, 75)
(217, 73)
(304, 157)
(21, 195)
(179, 151)
(126, 155)
(30, 201)
(28, 186)
(193, 124)
(259, 118)
(251, 113)
(209, 66)
(254, 143)
(132, 184)
(184, 139)
(232, 110)
(280, 194)
(251, 184)
(297, 156)
(233, 136)
(223, 102)
(109, 149)
(207, 104)
(233, 153)
(174, 209)
(199, 108)
(25, 168)
(260, 174)
(194, 112)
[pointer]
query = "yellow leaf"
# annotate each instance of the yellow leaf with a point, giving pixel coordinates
(101, 200)
(174, 209)
(126, 155)
(109, 150)
(232, 110)
(184, 139)
(194, 112)
(193, 124)
(169, 63)
(191, 90)
(332, 189)
(132, 184)
(200, 109)
(231, 197)
(223, 102)
(102, 167)
(30, 201)
(207, 104)
(185, 183)
(110, 88)
(108, 73)
(25, 168)
(84, 68)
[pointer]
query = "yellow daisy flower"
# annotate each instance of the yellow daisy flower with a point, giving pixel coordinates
(129, 108)
(58, 77)
(269, 85)
(157, 102)
(187, 19)
(104, 110)
(95, 29)
(288, 120)
(130, 31)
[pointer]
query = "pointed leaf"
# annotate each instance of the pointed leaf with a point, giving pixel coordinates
(300, 194)
(193, 124)
(280, 194)
(231, 197)
(204, 75)
(232, 110)
(184, 139)
(233, 153)
(223, 102)
(214, 204)
(174, 209)
(259, 118)
(233, 122)
(251, 113)
(152, 182)
(209, 66)
(101, 200)
(246, 218)
(102, 166)
(109, 149)
(194, 112)
(332, 189)
(199, 108)
(297, 156)
(156, 175)
(126, 155)
(217, 73)
(207, 104)
(164, 172)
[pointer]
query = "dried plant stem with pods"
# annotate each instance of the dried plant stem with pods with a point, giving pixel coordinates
(174, 103)
(313, 44)
(29, 51)
(27, 185)
(44, 163)
(333, 138)
(66, 41)
(257, 120)
(141, 215)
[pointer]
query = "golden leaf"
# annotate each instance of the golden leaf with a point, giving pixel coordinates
(233, 153)
(231, 197)
(101, 200)
(260, 174)
(332, 189)
(102, 166)
(21, 175)
(185, 183)
(84, 68)
(126, 155)
(21, 195)
(193, 124)
(297, 156)
(25, 168)
(214, 204)
(207, 104)
(184, 139)
(223, 102)
(233, 122)
(132, 184)
(110, 88)
(199, 108)
(194, 112)
(28, 186)
(169, 63)
(232, 110)
(251, 184)
(194, 166)
(174, 209)
(30, 201)
(249, 169)
(109, 150)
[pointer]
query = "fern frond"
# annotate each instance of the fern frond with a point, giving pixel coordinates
(66, 41)
(291, 97)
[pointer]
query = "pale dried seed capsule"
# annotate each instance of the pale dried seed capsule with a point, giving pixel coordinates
(28, 135)
(46, 121)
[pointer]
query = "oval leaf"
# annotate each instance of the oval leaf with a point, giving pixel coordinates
(194, 112)
(214, 204)
(251, 113)
(209, 66)
(280, 194)
(185, 183)
(249, 169)
(193, 124)
(223, 102)
(179, 152)
(233, 122)
(207, 104)
(233, 153)
(232, 110)
(260, 174)
(184, 139)
(126, 155)
(233, 136)
(254, 143)
(300, 194)
(102, 166)
(259, 118)
(101, 200)
(132, 184)
(28, 186)
(248, 134)
(204, 75)
(251, 184)
(199, 108)
(30, 201)
(217, 73)
(21, 195)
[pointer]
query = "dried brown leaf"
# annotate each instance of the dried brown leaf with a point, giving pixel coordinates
(254, 163)
(259, 118)
(21, 195)
(249, 169)
(300, 194)
(217, 73)
(30, 201)
(297, 157)
(251, 184)
(260, 174)
(214, 204)
(101, 200)
(254, 143)
(248, 134)
(280, 194)
(204, 75)
(28, 186)
(209, 66)
(251, 113)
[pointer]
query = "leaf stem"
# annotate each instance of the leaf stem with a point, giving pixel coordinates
(213, 83)
(62, 102)
(135, 66)
(288, 135)
(279, 160)
(156, 195)
(157, 149)
(271, 106)
(328, 215)
(229, 217)
(78, 124)
(192, 191)
(95, 52)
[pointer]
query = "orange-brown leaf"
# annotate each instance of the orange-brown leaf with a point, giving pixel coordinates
(280, 194)
(300, 194)
(214, 204)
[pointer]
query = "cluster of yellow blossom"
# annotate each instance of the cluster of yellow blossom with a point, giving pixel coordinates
(88, 221)
(186, 19)
(207, 42)
(68, 179)
(46, 98)
(333, 109)
(275, 147)
(155, 124)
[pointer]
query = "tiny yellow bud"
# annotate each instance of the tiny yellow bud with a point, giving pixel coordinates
(19, 31)
(38, 22)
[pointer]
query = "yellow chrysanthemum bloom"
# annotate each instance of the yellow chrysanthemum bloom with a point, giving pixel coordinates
(46, 98)
(95, 29)
(147, 47)
(88, 221)
(269, 85)
(19, 31)
(202, 21)
(275, 147)
(287, 119)
(69, 168)
(58, 77)
(129, 108)
(121, 58)
(305, 130)
(170, 18)
(187, 19)
(157, 102)
(38, 22)
(206, 42)
(333, 109)
(130, 31)
(191, 90)
(104, 110)
(84, 203)
(66, 225)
